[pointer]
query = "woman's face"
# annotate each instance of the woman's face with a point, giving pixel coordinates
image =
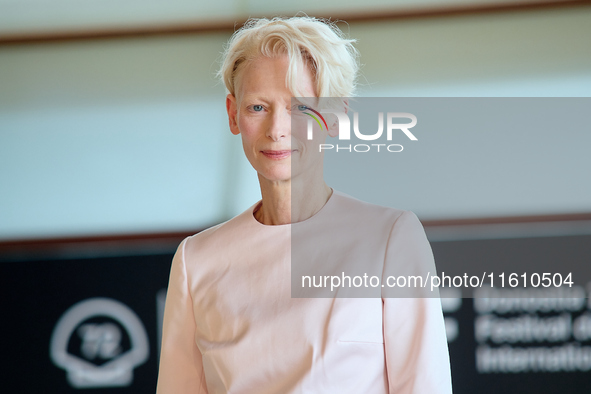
(262, 112)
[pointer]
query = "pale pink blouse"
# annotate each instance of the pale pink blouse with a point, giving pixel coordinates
(231, 326)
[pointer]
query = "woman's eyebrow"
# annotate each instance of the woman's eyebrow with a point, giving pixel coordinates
(254, 97)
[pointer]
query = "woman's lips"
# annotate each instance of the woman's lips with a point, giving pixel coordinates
(276, 154)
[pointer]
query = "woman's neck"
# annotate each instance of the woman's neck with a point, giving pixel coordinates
(291, 201)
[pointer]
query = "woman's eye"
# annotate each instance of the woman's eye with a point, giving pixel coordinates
(302, 107)
(257, 108)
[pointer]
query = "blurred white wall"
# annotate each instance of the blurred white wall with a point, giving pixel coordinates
(18, 17)
(130, 135)
(117, 136)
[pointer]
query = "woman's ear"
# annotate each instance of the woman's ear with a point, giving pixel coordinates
(232, 109)
(333, 128)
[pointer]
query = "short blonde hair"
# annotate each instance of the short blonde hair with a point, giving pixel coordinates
(314, 42)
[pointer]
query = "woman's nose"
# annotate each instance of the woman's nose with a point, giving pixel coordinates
(280, 125)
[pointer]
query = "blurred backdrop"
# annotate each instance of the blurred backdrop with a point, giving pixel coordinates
(114, 145)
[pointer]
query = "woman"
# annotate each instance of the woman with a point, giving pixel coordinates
(230, 323)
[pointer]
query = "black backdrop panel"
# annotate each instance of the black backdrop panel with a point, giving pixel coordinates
(36, 294)
(539, 352)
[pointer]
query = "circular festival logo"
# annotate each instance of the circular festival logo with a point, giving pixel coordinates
(99, 341)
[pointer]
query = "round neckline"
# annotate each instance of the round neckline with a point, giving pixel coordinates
(252, 209)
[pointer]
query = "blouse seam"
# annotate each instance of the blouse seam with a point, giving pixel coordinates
(383, 317)
(388, 244)
(192, 311)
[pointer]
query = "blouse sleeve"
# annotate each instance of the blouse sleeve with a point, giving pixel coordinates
(181, 364)
(417, 358)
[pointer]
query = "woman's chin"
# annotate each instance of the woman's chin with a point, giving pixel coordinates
(277, 175)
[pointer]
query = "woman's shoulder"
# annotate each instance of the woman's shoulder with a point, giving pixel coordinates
(361, 210)
(221, 236)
